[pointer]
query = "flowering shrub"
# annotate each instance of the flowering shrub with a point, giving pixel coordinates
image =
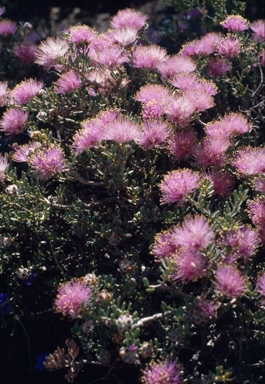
(132, 194)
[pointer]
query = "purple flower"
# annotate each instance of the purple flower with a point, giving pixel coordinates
(4, 305)
(48, 161)
(164, 246)
(13, 121)
(50, 52)
(261, 285)
(256, 210)
(179, 109)
(82, 34)
(250, 161)
(211, 151)
(186, 81)
(40, 360)
(128, 18)
(182, 144)
(122, 130)
(258, 27)
(235, 23)
(176, 64)
(25, 91)
(149, 57)
(162, 372)
(71, 296)
(89, 136)
(26, 52)
(153, 134)
(230, 46)
(7, 28)
(2, 10)
(112, 56)
(125, 36)
(69, 81)
(230, 281)
(190, 265)
(218, 66)
(24, 151)
(222, 182)
(177, 185)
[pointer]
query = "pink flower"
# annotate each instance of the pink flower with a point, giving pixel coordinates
(209, 42)
(149, 57)
(200, 99)
(195, 234)
(152, 92)
(222, 182)
(177, 185)
(69, 81)
(13, 121)
(7, 27)
(186, 81)
(165, 371)
(261, 58)
(164, 246)
(2, 10)
(50, 52)
(128, 18)
(153, 134)
(259, 185)
(182, 144)
(154, 109)
(235, 23)
(24, 92)
(218, 66)
(4, 93)
(176, 64)
(256, 211)
(48, 161)
(26, 52)
(244, 241)
(190, 266)
(109, 116)
(228, 126)
(3, 167)
(81, 34)
(230, 282)
(249, 161)
(90, 136)
(230, 46)
(258, 27)
(179, 109)
(71, 296)
(122, 130)
(24, 151)
(211, 151)
(261, 285)
(112, 56)
(125, 36)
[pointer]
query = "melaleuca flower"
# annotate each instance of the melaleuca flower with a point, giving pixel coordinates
(176, 64)
(125, 36)
(179, 109)
(149, 57)
(13, 121)
(222, 182)
(164, 245)
(194, 234)
(24, 151)
(230, 46)
(258, 27)
(81, 34)
(259, 185)
(71, 296)
(26, 52)
(182, 144)
(260, 285)
(190, 266)
(152, 92)
(199, 99)
(50, 52)
(122, 130)
(90, 136)
(46, 162)
(244, 241)
(109, 116)
(153, 109)
(112, 57)
(229, 281)
(235, 23)
(163, 372)
(153, 134)
(256, 211)
(211, 151)
(25, 91)
(209, 42)
(4, 93)
(177, 185)
(3, 167)
(69, 81)
(234, 124)
(7, 27)
(191, 48)
(128, 18)
(249, 161)
(261, 58)
(218, 66)
(186, 81)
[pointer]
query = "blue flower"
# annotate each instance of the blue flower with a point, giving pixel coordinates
(40, 360)
(4, 307)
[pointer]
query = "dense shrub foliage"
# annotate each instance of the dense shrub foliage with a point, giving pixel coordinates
(132, 193)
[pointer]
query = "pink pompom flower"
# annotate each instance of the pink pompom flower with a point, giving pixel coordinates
(152, 92)
(258, 27)
(50, 52)
(90, 136)
(3, 167)
(125, 36)
(122, 131)
(128, 18)
(234, 124)
(176, 64)
(25, 91)
(179, 109)
(153, 134)
(149, 57)
(112, 56)
(164, 245)
(26, 52)
(68, 82)
(13, 121)
(8, 28)
(48, 161)
(222, 182)
(211, 151)
(259, 184)
(183, 144)
(190, 266)
(249, 161)
(24, 151)
(230, 281)
(235, 23)
(165, 371)
(200, 99)
(186, 81)
(71, 296)
(260, 285)
(81, 34)
(177, 185)
(230, 46)
(218, 66)
(4, 93)
(256, 211)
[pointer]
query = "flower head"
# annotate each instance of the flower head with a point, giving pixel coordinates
(152, 92)
(4, 93)
(163, 372)
(112, 56)
(259, 184)
(125, 36)
(128, 18)
(153, 134)
(190, 265)
(13, 121)
(249, 161)
(258, 27)
(25, 91)
(50, 52)
(211, 151)
(222, 182)
(8, 27)
(235, 23)
(230, 281)
(256, 211)
(24, 151)
(69, 81)
(182, 144)
(48, 161)
(218, 66)
(164, 245)
(200, 99)
(230, 46)
(176, 64)
(234, 124)
(122, 130)
(3, 167)
(203, 47)
(186, 81)
(90, 136)
(149, 57)
(179, 109)
(26, 52)
(82, 34)
(261, 285)
(71, 296)
(177, 185)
